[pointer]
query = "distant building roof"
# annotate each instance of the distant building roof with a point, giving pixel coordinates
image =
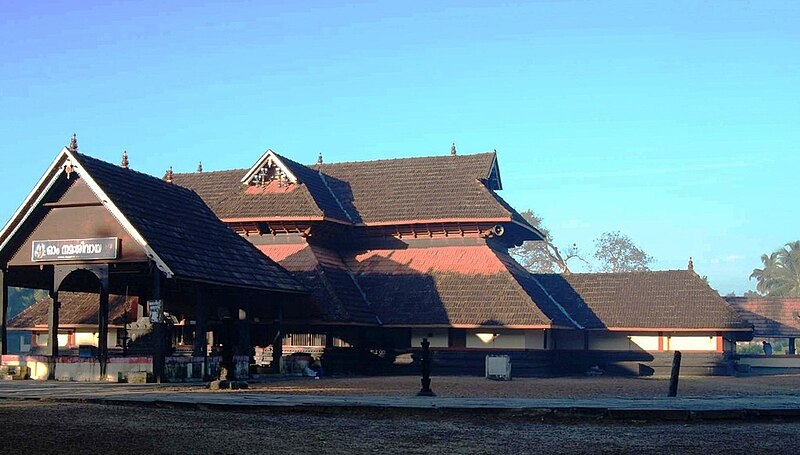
(770, 316)
(77, 308)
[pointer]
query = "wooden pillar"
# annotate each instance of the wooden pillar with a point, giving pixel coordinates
(791, 346)
(102, 337)
(52, 333)
(200, 345)
(3, 311)
(277, 342)
(159, 331)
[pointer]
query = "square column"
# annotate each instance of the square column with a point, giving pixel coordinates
(277, 343)
(102, 341)
(200, 346)
(52, 333)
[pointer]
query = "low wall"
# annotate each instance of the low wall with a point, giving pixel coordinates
(69, 368)
(643, 363)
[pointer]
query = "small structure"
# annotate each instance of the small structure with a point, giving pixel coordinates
(772, 318)
(93, 227)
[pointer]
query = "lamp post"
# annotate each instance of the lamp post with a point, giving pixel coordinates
(426, 370)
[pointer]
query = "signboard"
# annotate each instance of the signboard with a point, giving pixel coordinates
(156, 311)
(57, 250)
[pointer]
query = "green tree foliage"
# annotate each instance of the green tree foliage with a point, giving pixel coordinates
(616, 252)
(544, 256)
(21, 298)
(780, 276)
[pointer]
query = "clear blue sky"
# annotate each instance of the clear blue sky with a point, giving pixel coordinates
(673, 122)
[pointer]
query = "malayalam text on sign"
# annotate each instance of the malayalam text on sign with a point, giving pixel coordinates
(56, 250)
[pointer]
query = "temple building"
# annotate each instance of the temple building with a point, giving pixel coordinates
(361, 261)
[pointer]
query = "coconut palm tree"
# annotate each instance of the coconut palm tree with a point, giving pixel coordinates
(781, 273)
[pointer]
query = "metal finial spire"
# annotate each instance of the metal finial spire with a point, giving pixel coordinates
(200, 166)
(453, 149)
(319, 158)
(691, 264)
(168, 175)
(124, 163)
(73, 143)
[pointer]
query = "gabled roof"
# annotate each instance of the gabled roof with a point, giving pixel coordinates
(77, 308)
(171, 223)
(770, 316)
(671, 299)
(381, 192)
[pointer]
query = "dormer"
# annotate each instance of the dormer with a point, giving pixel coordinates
(270, 171)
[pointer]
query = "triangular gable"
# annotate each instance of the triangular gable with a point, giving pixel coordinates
(269, 168)
(66, 161)
(493, 181)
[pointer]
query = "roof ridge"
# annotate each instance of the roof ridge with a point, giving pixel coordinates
(441, 157)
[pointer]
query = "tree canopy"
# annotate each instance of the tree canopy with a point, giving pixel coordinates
(780, 276)
(615, 252)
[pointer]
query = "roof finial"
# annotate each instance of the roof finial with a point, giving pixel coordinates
(168, 175)
(124, 163)
(319, 158)
(73, 143)
(691, 264)
(200, 166)
(453, 149)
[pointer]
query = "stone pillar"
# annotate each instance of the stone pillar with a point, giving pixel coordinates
(102, 329)
(3, 311)
(52, 333)
(277, 343)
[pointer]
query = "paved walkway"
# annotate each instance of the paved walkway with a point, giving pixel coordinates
(172, 395)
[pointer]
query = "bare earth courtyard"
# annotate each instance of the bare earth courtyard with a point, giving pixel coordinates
(45, 426)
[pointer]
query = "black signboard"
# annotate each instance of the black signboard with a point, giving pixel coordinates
(57, 250)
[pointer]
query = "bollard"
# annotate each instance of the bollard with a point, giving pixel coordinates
(426, 370)
(673, 378)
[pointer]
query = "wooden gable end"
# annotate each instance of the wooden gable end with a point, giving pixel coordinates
(77, 213)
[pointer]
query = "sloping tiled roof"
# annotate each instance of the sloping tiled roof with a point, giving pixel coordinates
(407, 189)
(672, 299)
(456, 285)
(368, 192)
(225, 195)
(331, 283)
(770, 316)
(77, 308)
(184, 232)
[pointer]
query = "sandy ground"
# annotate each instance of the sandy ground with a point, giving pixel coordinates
(49, 427)
(566, 387)
(42, 427)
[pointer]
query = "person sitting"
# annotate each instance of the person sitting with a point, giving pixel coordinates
(767, 348)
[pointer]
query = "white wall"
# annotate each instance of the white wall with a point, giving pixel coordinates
(690, 343)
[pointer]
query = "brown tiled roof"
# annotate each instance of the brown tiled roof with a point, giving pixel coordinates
(225, 195)
(455, 285)
(77, 308)
(770, 316)
(331, 283)
(408, 189)
(672, 299)
(184, 232)
(368, 192)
